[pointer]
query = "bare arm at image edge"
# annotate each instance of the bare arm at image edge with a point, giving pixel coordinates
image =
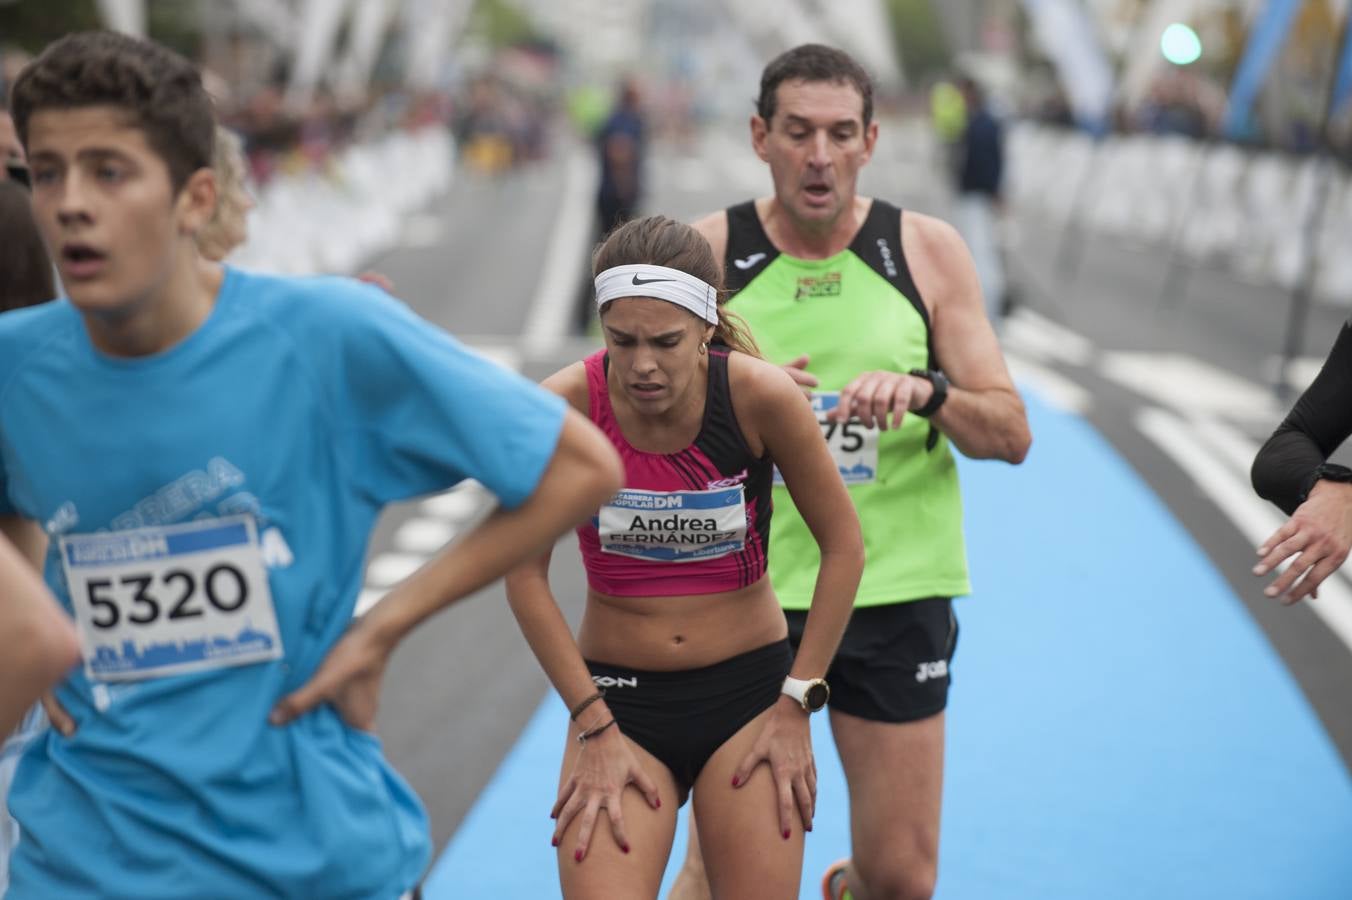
(37, 641)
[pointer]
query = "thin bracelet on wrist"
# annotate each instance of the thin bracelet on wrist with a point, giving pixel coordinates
(585, 736)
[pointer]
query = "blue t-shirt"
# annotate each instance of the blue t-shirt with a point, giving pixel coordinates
(307, 404)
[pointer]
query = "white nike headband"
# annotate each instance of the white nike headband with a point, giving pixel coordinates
(659, 283)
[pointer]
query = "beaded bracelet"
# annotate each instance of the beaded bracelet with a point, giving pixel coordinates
(577, 710)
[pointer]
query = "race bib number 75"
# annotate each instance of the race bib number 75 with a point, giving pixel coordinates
(853, 446)
(151, 602)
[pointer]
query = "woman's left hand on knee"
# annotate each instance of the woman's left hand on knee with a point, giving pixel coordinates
(785, 745)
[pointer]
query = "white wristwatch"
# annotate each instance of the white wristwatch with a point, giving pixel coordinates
(811, 694)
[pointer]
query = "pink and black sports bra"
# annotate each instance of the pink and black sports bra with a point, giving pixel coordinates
(692, 522)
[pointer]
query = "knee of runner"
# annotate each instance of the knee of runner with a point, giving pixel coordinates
(899, 878)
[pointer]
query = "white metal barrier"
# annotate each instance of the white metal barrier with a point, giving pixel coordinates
(333, 220)
(1222, 205)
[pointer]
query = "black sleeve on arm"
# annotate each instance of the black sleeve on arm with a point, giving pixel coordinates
(1319, 422)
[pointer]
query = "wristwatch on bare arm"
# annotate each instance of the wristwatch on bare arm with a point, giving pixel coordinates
(939, 382)
(811, 693)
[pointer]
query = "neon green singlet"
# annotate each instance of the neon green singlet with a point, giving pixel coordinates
(856, 312)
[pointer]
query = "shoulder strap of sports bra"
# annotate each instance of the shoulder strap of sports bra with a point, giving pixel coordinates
(598, 394)
(721, 433)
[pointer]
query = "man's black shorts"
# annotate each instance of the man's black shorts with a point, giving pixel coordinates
(893, 663)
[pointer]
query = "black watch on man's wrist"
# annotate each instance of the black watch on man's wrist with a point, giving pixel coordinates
(1326, 472)
(936, 400)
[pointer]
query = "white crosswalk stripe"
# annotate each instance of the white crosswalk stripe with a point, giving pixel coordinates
(1212, 467)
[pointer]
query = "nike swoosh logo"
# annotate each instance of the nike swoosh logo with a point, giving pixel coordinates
(749, 261)
(638, 281)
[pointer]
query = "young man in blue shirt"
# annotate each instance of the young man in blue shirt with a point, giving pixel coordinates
(207, 451)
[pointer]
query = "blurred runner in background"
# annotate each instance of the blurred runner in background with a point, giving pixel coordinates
(682, 679)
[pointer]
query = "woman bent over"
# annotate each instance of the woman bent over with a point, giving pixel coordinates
(681, 678)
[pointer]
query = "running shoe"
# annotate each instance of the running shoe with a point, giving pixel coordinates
(833, 882)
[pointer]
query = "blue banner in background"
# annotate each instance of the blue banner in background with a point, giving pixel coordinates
(1342, 88)
(1267, 36)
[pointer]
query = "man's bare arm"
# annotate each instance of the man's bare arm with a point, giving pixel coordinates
(984, 415)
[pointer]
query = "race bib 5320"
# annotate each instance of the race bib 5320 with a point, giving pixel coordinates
(151, 602)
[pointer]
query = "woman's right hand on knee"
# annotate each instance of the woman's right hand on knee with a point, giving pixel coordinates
(604, 768)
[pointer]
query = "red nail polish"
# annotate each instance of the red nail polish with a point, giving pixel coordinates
(736, 781)
(786, 834)
(658, 804)
(624, 847)
(553, 842)
(577, 855)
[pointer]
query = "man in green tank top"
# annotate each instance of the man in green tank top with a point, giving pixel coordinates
(878, 315)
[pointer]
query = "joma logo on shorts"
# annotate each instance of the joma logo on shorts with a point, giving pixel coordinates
(607, 681)
(928, 670)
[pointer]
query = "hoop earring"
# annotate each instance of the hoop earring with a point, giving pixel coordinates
(703, 347)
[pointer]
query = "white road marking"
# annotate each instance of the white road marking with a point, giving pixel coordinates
(421, 535)
(443, 517)
(1188, 385)
(368, 598)
(1231, 444)
(1036, 335)
(422, 230)
(505, 355)
(460, 504)
(547, 322)
(389, 569)
(1255, 519)
(1053, 388)
(1299, 373)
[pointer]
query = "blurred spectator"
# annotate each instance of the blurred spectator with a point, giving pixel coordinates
(12, 163)
(619, 143)
(948, 116)
(26, 279)
(26, 276)
(1181, 102)
(619, 148)
(484, 130)
(980, 170)
(228, 226)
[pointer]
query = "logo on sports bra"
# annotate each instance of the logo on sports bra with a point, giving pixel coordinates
(750, 261)
(827, 285)
(727, 482)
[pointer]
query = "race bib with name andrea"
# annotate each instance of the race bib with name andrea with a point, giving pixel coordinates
(151, 602)
(673, 526)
